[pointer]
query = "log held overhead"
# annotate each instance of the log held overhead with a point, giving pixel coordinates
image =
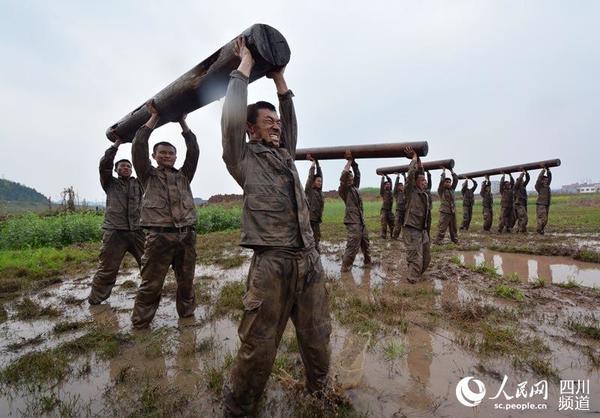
(207, 81)
(511, 169)
(392, 150)
(427, 165)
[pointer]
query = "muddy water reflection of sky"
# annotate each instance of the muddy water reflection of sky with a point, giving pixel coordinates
(531, 267)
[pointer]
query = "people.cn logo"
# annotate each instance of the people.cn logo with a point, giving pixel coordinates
(466, 396)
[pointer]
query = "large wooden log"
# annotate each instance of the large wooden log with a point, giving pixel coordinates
(393, 150)
(427, 165)
(511, 169)
(207, 81)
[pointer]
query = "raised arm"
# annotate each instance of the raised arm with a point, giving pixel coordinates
(538, 182)
(454, 180)
(233, 118)
(343, 189)
(502, 183)
(549, 174)
(356, 172)
(429, 185)
(441, 185)
(139, 148)
(381, 186)
(289, 125)
(193, 152)
(465, 187)
(512, 180)
(311, 178)
(106, 164)
(396, 183)
(474, 185)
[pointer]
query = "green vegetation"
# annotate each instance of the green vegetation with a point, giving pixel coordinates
(13, 191)
(508, 292)
(538, 283)
(28, 309)
(569, 284)
(591, 330)
(229, 300)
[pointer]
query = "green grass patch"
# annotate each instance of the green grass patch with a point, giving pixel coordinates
(508, 292)
(569, 284)
(229, 300)
(29, 309)
(591, 330)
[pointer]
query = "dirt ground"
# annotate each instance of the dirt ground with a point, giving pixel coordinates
(398, 349)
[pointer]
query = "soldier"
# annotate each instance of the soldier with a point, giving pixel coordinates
(314, 195)
(122, 232)
(400, 207)
(468, 201)
(417, 220)
(520, 196)
(542, 205)
(286, 277)
(354, 218)
(488, 203)
(506, 204)
(386, 216)
(169, 217)
(447, 207)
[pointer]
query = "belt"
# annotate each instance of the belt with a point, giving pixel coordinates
(171, 229)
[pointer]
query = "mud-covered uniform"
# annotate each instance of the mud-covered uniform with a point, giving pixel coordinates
(286, 277)
(506, 204)
(542, 205)
(468, 194)
(169, 218)
(354, 219)
(488, 204)
(400, 208)
(315, 203)
(447, 209)
(386, 214)
(520, 196)
(417, 222)
(122, 231)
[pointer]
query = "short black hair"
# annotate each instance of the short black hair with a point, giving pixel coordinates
(252, 110)
(163, 143)
(124, 160)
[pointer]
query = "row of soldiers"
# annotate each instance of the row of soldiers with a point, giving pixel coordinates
(154, 218)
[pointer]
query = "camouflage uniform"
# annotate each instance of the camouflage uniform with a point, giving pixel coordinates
(315, 203)
(488, 204)
(520, 196)
(417, 222)
(447, 210)
(358, 236)
(286, 279)
(168, 215)
(400, 209)
(506, 204)
(542, 204)
(386, 215)
(468, 201)
(122, 232)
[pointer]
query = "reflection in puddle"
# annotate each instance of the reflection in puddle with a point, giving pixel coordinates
(532, 267)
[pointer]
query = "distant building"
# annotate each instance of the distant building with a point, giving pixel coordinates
(581, 188)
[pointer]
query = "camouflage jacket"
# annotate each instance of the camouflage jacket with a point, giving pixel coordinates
(168, 199)
(387, 196)
(544, 193)
(418, 202)
(507, 192)
(468, 194)
(400, 199)
(486, 194)
(520, 192)
(351, 197)
(275, 209)
(123, 196)
(447, 195)
(314, 196)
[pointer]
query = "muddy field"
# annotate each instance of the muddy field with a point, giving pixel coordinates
(486, 309)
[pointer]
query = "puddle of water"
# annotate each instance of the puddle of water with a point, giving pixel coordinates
(531, 267)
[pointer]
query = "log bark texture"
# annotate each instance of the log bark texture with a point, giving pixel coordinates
(511, 169)
(427, 166)
(393, 150)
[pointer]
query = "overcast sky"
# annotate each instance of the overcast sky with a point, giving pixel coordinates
(486, 83)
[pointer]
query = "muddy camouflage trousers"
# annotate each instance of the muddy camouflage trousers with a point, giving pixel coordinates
(281, 285)
(357, 239)
(488, 218)
(507, 219)
(541, 212)
(418, 254)
(316, 229)
(163, 250)
(521, 214)
(467, 216)
(115, 244)
(387, 222)
(398, 222)
(447, 222)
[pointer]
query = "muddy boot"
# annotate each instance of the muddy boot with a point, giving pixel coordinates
(455, 241)
(92, 301)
